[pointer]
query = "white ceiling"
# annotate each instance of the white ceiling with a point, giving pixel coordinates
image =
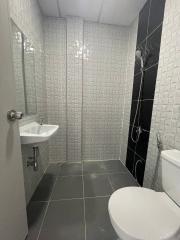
(118, 12)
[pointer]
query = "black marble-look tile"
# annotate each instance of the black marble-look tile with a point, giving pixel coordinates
(142, 144)
(68, 188)
(96, 185)
(135, 106)
(44, 189)
(153, 47)
(68, 169)
(35, 214)
(143, 22)
(130, 159)
(120, 180)
(146, 113)
(149, 82)
(139, 166)
(64, 220)
(136, 86)
(98, 225)
(131, 144)
(156, 14)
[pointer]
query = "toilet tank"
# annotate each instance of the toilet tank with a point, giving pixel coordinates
(171, 173)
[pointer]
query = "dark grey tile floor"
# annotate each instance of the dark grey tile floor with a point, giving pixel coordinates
(71, 201)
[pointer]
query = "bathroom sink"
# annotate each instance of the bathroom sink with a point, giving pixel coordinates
(35, 133)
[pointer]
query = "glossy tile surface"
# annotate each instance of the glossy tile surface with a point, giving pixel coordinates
(96, 185)
(149, 43)
(120, 180)
(98, 226)
(77, 201)
(44, 188)
(68, 169)
(68, 188)
(64, 220)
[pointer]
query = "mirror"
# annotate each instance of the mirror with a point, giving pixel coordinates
(24, 72)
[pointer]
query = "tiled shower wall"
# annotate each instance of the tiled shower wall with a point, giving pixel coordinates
(26, 15)
(104, 74)
(148, 41)
(166, 109)
(93, 97)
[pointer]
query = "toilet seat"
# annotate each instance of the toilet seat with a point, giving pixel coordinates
(143, 214)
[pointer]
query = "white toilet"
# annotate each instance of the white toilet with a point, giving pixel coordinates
(143, 214)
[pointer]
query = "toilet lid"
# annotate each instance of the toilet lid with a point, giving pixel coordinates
(141, 213)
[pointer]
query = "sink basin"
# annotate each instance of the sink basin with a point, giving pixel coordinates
(35, 133)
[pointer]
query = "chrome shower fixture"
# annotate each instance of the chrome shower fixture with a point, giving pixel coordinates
(140, 57)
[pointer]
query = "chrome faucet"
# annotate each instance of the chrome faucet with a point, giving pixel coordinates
(41, 121)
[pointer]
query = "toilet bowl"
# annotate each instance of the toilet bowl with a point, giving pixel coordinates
(143, 214)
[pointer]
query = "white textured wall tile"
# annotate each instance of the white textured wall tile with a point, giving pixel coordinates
(128, 89)
(104, 76)
(91, 89)
(74, 87)
(55, 58)
(166, 109)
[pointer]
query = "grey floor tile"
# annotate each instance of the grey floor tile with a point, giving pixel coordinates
(53, 169)
(64, 220)
(68, 169)
(120, 180)
(98, 225)
(96, 185)
(103, 167)
(44, 189)
(93, 167)
(68, 187)
(35, 214)
(114, 166)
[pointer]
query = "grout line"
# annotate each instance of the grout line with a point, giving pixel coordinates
(84, 207)
(82, 91)
(111, 184)
(148, 35)
(143, 100)
(45, 213)
(65, 176)
(59, 9)
(65, 199)
(92, 173)
(103, 196)
(100, 11)
(71, 199)
(66, 92)
(103, 174)
(94, 161)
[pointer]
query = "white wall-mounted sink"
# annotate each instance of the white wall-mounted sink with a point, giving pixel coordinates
(35, 133)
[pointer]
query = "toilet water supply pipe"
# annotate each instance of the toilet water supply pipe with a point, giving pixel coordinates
(160, 148)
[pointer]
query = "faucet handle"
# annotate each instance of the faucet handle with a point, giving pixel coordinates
(41, 121)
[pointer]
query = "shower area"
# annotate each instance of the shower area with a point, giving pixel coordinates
(89, 76)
